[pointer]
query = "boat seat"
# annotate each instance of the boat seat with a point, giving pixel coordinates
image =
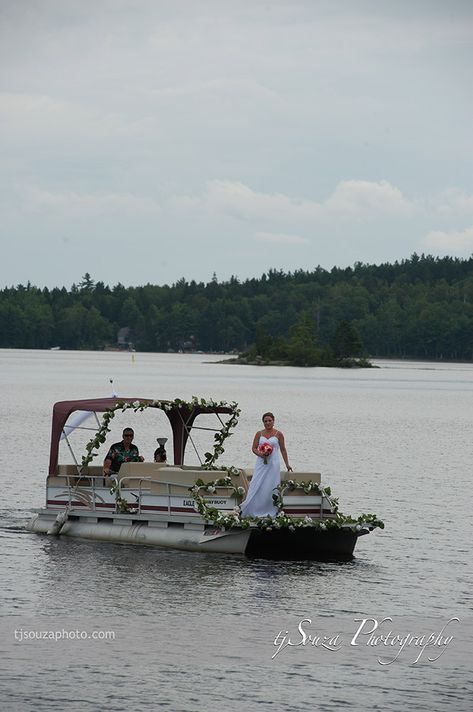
(301, 476)
(71, 470)
(66, 470)
(56, 481)
(298, 476)
(161, 473)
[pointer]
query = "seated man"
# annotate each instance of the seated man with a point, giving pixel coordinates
(121, 452)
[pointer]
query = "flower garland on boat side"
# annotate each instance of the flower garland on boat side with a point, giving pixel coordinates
(211, 514)
(121, 504)
(281, 520)
(308, 487)
(211, 487)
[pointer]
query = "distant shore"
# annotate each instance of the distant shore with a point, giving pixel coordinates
(260, 361)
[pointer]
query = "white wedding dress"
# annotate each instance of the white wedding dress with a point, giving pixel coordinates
(259, 500)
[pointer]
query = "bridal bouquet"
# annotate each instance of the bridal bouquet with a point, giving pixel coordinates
(266, 449)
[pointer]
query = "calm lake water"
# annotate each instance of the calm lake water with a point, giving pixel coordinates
(196, 632)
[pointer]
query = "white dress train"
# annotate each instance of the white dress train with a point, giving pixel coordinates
(259, 500)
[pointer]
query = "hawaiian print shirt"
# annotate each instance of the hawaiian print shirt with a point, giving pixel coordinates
(118, 455)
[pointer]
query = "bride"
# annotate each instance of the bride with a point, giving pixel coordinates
(267, 472)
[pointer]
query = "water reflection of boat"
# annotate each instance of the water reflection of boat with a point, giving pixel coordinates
(185, 507)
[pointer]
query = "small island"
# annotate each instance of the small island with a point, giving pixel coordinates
(300, 348)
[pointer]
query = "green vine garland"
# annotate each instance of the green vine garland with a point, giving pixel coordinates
(307, 487)
(121, 504)
(281, 520)
(211, 514)
(219, 437)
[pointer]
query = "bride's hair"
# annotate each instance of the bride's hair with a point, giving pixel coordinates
(265, 414)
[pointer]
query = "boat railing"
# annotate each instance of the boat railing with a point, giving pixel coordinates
(95, 483)
(168, 484)
(148, 480)
(88, 488)
(74, 482)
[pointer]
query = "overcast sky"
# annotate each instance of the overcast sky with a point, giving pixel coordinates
(149, 140)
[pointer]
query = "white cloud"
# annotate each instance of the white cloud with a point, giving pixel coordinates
(351, 198)
(279, 238)
(240, 201)
(457, 241)
(368, 199)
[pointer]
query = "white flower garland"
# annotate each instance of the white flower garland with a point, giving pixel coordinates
(307, 487)
(211, 514)
(281, 520)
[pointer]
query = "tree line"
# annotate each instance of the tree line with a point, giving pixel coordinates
(421, 307)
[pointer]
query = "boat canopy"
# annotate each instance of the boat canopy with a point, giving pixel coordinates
(181, 417)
